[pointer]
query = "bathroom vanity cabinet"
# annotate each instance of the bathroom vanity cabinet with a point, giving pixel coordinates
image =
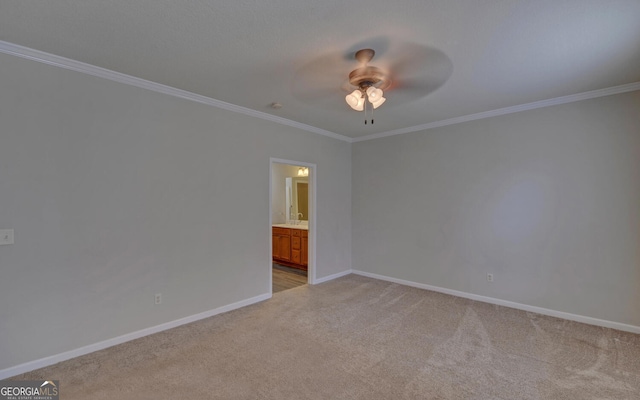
(290, 247)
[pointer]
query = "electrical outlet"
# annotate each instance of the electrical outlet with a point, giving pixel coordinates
(490, 277)
(158, 298)
(6, 236)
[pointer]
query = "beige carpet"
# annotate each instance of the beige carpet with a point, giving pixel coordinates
(359, 338)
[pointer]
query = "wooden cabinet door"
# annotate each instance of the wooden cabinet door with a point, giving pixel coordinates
(281, 244)
(285, 248)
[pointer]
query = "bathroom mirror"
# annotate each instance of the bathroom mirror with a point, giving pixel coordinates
(297, 198)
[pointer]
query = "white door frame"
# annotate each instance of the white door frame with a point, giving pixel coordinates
(311, 268)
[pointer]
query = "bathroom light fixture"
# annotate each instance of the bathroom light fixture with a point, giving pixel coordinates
(303, 171)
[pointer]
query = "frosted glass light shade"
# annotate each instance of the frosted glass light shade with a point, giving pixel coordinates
(374, 94)
(355, 100)
(378, 102)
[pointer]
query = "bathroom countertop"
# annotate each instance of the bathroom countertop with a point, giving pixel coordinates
(291, 226)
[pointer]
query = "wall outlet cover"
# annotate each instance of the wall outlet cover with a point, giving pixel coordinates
(6, 236)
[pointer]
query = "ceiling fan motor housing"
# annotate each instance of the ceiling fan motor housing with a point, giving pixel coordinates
(365, 77)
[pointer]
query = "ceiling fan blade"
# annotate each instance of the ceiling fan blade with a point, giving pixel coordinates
(411, 60)
(416, 72)
(323, 77)
(413, 89)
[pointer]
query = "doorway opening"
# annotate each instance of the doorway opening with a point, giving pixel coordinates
(292, 224)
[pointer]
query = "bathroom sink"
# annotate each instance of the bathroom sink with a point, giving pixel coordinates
(291, 226)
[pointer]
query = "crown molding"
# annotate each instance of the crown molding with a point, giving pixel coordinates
(73, 65)
(66, 63)
(630, 87)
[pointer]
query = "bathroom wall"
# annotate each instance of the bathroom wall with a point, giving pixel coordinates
(278, 191)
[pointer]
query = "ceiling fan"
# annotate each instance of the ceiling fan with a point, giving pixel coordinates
(370, 81)
(400, 73)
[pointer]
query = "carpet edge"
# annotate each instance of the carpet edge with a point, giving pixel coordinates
(506, 303)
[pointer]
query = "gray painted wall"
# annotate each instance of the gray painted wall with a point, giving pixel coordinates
(116, 193)
(547, 200)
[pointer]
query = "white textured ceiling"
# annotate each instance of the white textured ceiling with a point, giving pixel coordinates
(252, 53)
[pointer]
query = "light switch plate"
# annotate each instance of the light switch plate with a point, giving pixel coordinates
(6, 236)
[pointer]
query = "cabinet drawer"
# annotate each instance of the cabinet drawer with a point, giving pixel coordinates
(295, 243)
(295, 232)
(295, 256)
(305, 233)
(281, 231)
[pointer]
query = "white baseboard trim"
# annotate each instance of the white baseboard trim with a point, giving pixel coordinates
(539, 310)
(46, 361)
(332, 277)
